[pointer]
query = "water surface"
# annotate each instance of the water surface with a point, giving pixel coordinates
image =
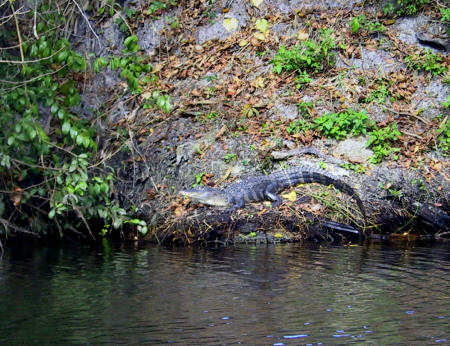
(259, 295)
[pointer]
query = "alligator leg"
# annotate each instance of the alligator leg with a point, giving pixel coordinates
(272, 196)
(237, 204)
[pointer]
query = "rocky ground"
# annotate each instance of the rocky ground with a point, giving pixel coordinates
(232, 113)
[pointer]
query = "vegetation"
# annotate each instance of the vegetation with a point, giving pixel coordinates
(404, 7)
(361, 22)
(444, 137)
(46, 149)
(381, 141)
(308, 56)
(426, 61)
(342, 124)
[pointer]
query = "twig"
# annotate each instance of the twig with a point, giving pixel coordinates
(32, 79)
(22, 62)
(131, 146)
(7, 224)
(34, 20)
(35, 166)
(106, 158)
(411, 134)
(121, 17)
(80, 214)
(88, 23)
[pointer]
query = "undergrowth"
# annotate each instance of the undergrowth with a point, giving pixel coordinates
(47, 176)
(306, 57)
(404, 7)
(426, 61)
(342, 124)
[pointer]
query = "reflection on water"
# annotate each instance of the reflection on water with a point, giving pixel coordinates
(260, 295)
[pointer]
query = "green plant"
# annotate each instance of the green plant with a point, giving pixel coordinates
(210, 77)
(446, 104)
(388, 8)
(174, 22)
(302, 79)
(443, 139)
(129, 12)
(265, 127)
(355, 167)
(398, 194)
(198, 150)
(131, 44)
(198, 179)
(355, 24)
(304, 108)
(212, 16)
(362, 22)
(298, 126)
(381, 141)
(340, 125)
(404, 7)
(229, 157)
(134, 68)
(156, 7)
(141, 225)
(381, 93)
(110, 5)
(249, 111)
(47, 171)
(445, 17)
(211, 115)
(426, 61)
(307, 56)
(161, 101)
(445, 14)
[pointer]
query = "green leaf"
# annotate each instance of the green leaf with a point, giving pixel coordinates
(73, 167)
(79, 139)
(66, 127)
(86, 142)
(143, 230)
(61, 113)
(62, 56)
(130, 41)
(117, 223)
(32, 133)
(355, 25)
(11, 140)
(73, 133)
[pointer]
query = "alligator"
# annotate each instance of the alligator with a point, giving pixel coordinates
(265, 188)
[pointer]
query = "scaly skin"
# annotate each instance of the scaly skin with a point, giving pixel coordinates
(267, 187)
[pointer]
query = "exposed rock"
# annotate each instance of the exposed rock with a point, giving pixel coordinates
(284, 111)
(374, 60)
(354, 149)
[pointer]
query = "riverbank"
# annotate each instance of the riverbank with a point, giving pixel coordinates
(353, 91)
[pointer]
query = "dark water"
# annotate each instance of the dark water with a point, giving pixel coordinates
(266, 295)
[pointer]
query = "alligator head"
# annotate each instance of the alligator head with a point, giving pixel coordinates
(207, 195)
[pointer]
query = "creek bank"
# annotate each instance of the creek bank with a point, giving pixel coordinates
(208, 136)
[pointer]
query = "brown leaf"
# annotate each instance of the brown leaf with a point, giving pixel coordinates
(179, 211)
(16, 196)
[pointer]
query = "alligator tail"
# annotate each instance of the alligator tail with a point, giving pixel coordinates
(325, 178)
